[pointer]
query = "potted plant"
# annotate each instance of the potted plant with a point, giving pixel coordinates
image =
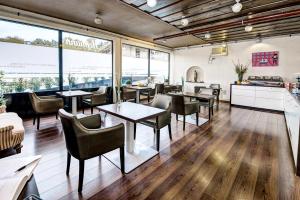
(128, 82)
(2, 99)
(240, 69)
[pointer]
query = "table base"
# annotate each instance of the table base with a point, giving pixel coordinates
(141, 153)
(191, 119)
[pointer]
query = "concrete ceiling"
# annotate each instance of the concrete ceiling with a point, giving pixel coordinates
(117, 17)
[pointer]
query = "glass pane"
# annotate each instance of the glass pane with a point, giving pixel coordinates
(87, 61)
(29, 58)
(159, 66)
(134, 64)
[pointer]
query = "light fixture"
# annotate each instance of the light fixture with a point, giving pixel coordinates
(207, 35)
(98, 19)
(248, 28)
(164, 41)
(151, 3)
(184, 21)
(237, 7)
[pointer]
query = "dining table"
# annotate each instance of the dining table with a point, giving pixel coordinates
(138, 90)
(74, 94)
(198, 96)
(136, 153)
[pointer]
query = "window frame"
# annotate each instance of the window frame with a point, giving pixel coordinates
(60, 52)
(149, 58)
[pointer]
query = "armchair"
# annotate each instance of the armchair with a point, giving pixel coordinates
(44, 105)
(128, 94)
(180, 107)
(86, 139)
(96, 99)
(162, 102)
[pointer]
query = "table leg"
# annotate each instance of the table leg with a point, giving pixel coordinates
(138, 96)
(129, 141)
(74, 105)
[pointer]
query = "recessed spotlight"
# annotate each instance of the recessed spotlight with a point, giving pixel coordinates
(184, 21)
(248, 28)
(151, 3)
(164, 41)
(98, 20)
(207, 35)
(237, 7)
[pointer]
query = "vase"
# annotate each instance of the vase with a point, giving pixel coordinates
(240, 77)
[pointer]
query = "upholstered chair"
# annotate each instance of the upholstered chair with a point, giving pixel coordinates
(44, 105)
(157, 123)
(159, 88)
(86, 139)
(182, 107)
(98, 98)
(128, 94)
(207, 104)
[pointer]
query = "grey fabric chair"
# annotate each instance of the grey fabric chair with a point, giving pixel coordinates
(44, 105)
(182, 107)
(86, 139)
(162, 102)
(216, 91)
(128, 94)
(208, 104)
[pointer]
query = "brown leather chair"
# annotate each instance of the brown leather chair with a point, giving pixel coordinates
(86, 139)
(182, 107)
(96, 99)
(44, 105)
(162, 102)
(208, 104)
(128, 94)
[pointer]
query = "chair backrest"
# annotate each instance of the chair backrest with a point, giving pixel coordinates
(178, 104)
(34, 100)
(162, 101)
(68, 121)
(197, 89)
(206, 91)
(215, 86)
(159, 88)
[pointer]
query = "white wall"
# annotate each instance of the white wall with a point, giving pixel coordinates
(221, 70)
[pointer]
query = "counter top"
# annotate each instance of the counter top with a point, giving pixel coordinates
(296, 97)
(257, 85)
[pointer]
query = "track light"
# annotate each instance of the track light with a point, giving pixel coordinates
(151, 3)
(248, 28)
(98, 19)
(207, 35)
(237, 7)
(184, 21)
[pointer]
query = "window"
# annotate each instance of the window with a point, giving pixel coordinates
(134, 64)
(87, 61)
(29, 58)
(159, 65)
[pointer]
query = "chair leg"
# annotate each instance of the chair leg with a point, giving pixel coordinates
(170, 132)
(34, 117)
(18, 148)
(56, 115)
(122, 159)
(82, 110)
(212, 110)
(157, 139)
(92, 110)
(81, 174)
(38, 122)
(183, 122)
(176, 117)
(209, 113)
(68, 163)
(197, 118)
(134, 131)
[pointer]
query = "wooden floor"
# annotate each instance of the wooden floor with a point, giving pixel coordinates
(241, 154)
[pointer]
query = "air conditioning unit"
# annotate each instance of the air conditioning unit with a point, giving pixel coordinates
(219, 51)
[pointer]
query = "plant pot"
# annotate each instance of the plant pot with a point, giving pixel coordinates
(3, 109)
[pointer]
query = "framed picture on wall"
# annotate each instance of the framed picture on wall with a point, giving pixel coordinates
(265, 59)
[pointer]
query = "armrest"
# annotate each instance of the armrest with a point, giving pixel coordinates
(47, 105)
(48, 97)
(191, 107)
(94, 142)
(91, 122)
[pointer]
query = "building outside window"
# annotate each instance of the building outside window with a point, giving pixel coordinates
(159, 65)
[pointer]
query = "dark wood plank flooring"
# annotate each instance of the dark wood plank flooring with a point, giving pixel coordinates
(241, 154)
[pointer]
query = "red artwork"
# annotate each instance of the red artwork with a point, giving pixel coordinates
(265, 59)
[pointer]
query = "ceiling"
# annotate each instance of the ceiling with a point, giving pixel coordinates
(162, 24)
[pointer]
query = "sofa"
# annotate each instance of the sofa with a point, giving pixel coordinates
(11, 131)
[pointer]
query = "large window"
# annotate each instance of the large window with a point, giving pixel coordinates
(159, 65)
(134, 64)
(87, 61)
(28, 58)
